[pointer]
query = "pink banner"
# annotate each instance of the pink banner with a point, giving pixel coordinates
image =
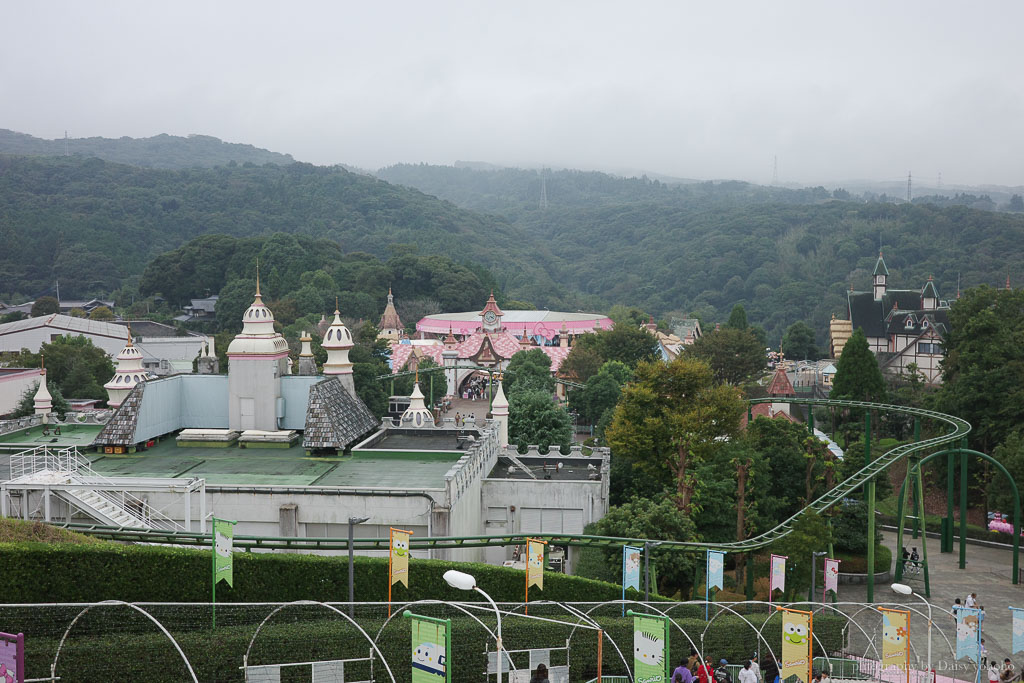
(778, 576)
(832, 576)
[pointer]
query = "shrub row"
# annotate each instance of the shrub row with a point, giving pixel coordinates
(36, 572)
(97, 650)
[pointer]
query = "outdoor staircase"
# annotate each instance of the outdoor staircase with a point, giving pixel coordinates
(68, 476)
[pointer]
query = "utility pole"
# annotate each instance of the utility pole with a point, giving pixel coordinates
(543, 194)
(908, 187)
(775, 170)
(66, 144)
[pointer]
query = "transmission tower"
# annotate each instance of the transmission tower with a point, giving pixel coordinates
(908, 187)
(940, 181)
(543, 194)
(66, 144)
(775, 170)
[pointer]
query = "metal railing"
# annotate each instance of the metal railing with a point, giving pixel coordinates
(71, 464)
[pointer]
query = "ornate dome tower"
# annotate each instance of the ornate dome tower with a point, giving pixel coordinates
(257, 358)
(417, 414)
(390, 326)
(42, 403)
(337, 342)
(129, 373)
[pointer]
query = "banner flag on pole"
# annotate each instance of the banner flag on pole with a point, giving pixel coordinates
(831, 576)
(778, 579)
(12, 658)
(1018, 630)
(967, 633)
(797, 630)
(895, 638)
(716, 564)
(431, 649)
(631, 567)
(650, 648)
(223, 543)
(400, 557)
(535, 563)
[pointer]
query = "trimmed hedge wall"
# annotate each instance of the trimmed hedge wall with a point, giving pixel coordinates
(38, 572)
(133, 650)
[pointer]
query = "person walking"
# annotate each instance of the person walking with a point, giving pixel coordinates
(1006, 673)
(722, 674)
(755, 667)
(971, 601)
(747, 674)
(682, 673)
(704, 671)
(540, 675)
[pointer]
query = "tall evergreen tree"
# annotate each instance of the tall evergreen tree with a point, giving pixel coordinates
(737, 318)
(858, 377)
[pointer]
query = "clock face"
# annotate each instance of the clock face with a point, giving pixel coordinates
(489, 317)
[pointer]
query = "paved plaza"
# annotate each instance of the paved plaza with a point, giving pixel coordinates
(988, 573)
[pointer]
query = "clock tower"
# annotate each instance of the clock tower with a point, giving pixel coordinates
(491, 315)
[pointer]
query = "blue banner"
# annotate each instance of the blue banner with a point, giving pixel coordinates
(1018, 630)
(631, 567)
(716, 563)
(968, 633)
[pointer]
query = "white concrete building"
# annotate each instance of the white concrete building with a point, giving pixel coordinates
(14, 382)
(32, 333)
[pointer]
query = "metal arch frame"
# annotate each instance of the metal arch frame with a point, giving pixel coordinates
(373, 644)
(60, 646)
(400, 607)
(1016, 503)
(580, 617)
(913, 608)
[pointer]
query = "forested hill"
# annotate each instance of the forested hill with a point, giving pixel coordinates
(95, 225)
(159, 151)
(786, 255)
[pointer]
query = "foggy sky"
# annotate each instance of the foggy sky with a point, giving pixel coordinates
(699, 90)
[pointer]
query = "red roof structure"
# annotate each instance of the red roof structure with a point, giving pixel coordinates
(781, 386)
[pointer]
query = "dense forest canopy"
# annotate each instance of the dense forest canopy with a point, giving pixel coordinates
(159, 151)
(94, 225)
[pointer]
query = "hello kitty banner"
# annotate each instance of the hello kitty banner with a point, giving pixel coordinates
(968, 633)
(1018, 630)
(895, 638)
(650, 648)
(831, 577)
(778, 574)
(630, 568)
(12, 658)
(535, 564)
(223, 542)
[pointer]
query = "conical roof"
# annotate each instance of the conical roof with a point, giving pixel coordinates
(880, 268)
(781, 386)
(389, 320)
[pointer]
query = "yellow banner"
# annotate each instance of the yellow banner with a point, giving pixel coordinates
(796, 645)
(895, 638)
(535, 564)
(400, 557)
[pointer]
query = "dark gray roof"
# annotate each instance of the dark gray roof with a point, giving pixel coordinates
(880, 268)
(120, 431)
(335, 418)
(876, 317)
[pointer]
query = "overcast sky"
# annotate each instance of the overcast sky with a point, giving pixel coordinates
(709, 90)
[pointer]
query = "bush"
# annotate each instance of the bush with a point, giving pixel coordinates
(858, 563)
(160, 574)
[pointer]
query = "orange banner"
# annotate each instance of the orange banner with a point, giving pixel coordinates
(535, 564)
(895, 638)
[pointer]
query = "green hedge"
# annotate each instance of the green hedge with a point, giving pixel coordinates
(118, 645)
(37, 572)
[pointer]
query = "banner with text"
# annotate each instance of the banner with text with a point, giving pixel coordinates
(430, 650)
(650, 649)
(895, 638)
(399, 557)
(223, 544)
(778, 578)
(967, 632)
(631, 567)
(796, 644)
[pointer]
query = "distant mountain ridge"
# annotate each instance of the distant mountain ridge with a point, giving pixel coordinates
(160, 151)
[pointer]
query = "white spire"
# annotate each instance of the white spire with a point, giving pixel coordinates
(258, 337)
(417, 414)
(129, 373)
(337, 343)
(499, 411)
(42, 402)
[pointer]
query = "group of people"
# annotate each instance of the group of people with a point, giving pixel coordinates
(693, 670)
(475, 389)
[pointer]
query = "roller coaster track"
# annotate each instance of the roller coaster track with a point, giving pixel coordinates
(959, 429)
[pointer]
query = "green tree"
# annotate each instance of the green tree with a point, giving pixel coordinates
(45, 305)
(737, 318)
(810, 534)
(983, 371)
(1010, 454)
(734, 355)
(529, 371)
(601, 392)
(534, 418)
(234, 299)
(101, 313)
(661, 519)
(798, 342)
(671, 417)
(582, 363)
(75, 365)
(858, 377)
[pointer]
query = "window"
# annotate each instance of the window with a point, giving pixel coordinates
(910, 322)
(551, 521)
(929, 348)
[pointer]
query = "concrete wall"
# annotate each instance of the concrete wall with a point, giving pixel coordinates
(254, 385)
(180, 402)
(13, 385)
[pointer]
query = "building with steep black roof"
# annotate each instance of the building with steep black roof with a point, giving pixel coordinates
(903, 327)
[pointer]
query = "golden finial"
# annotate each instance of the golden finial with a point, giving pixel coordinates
(42, 362)
(257, 276)
(337, 310)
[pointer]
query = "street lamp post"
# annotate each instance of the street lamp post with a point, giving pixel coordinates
(904, 589)
(352, 521)
(647, 571)
(814, 572)
(466, 582)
